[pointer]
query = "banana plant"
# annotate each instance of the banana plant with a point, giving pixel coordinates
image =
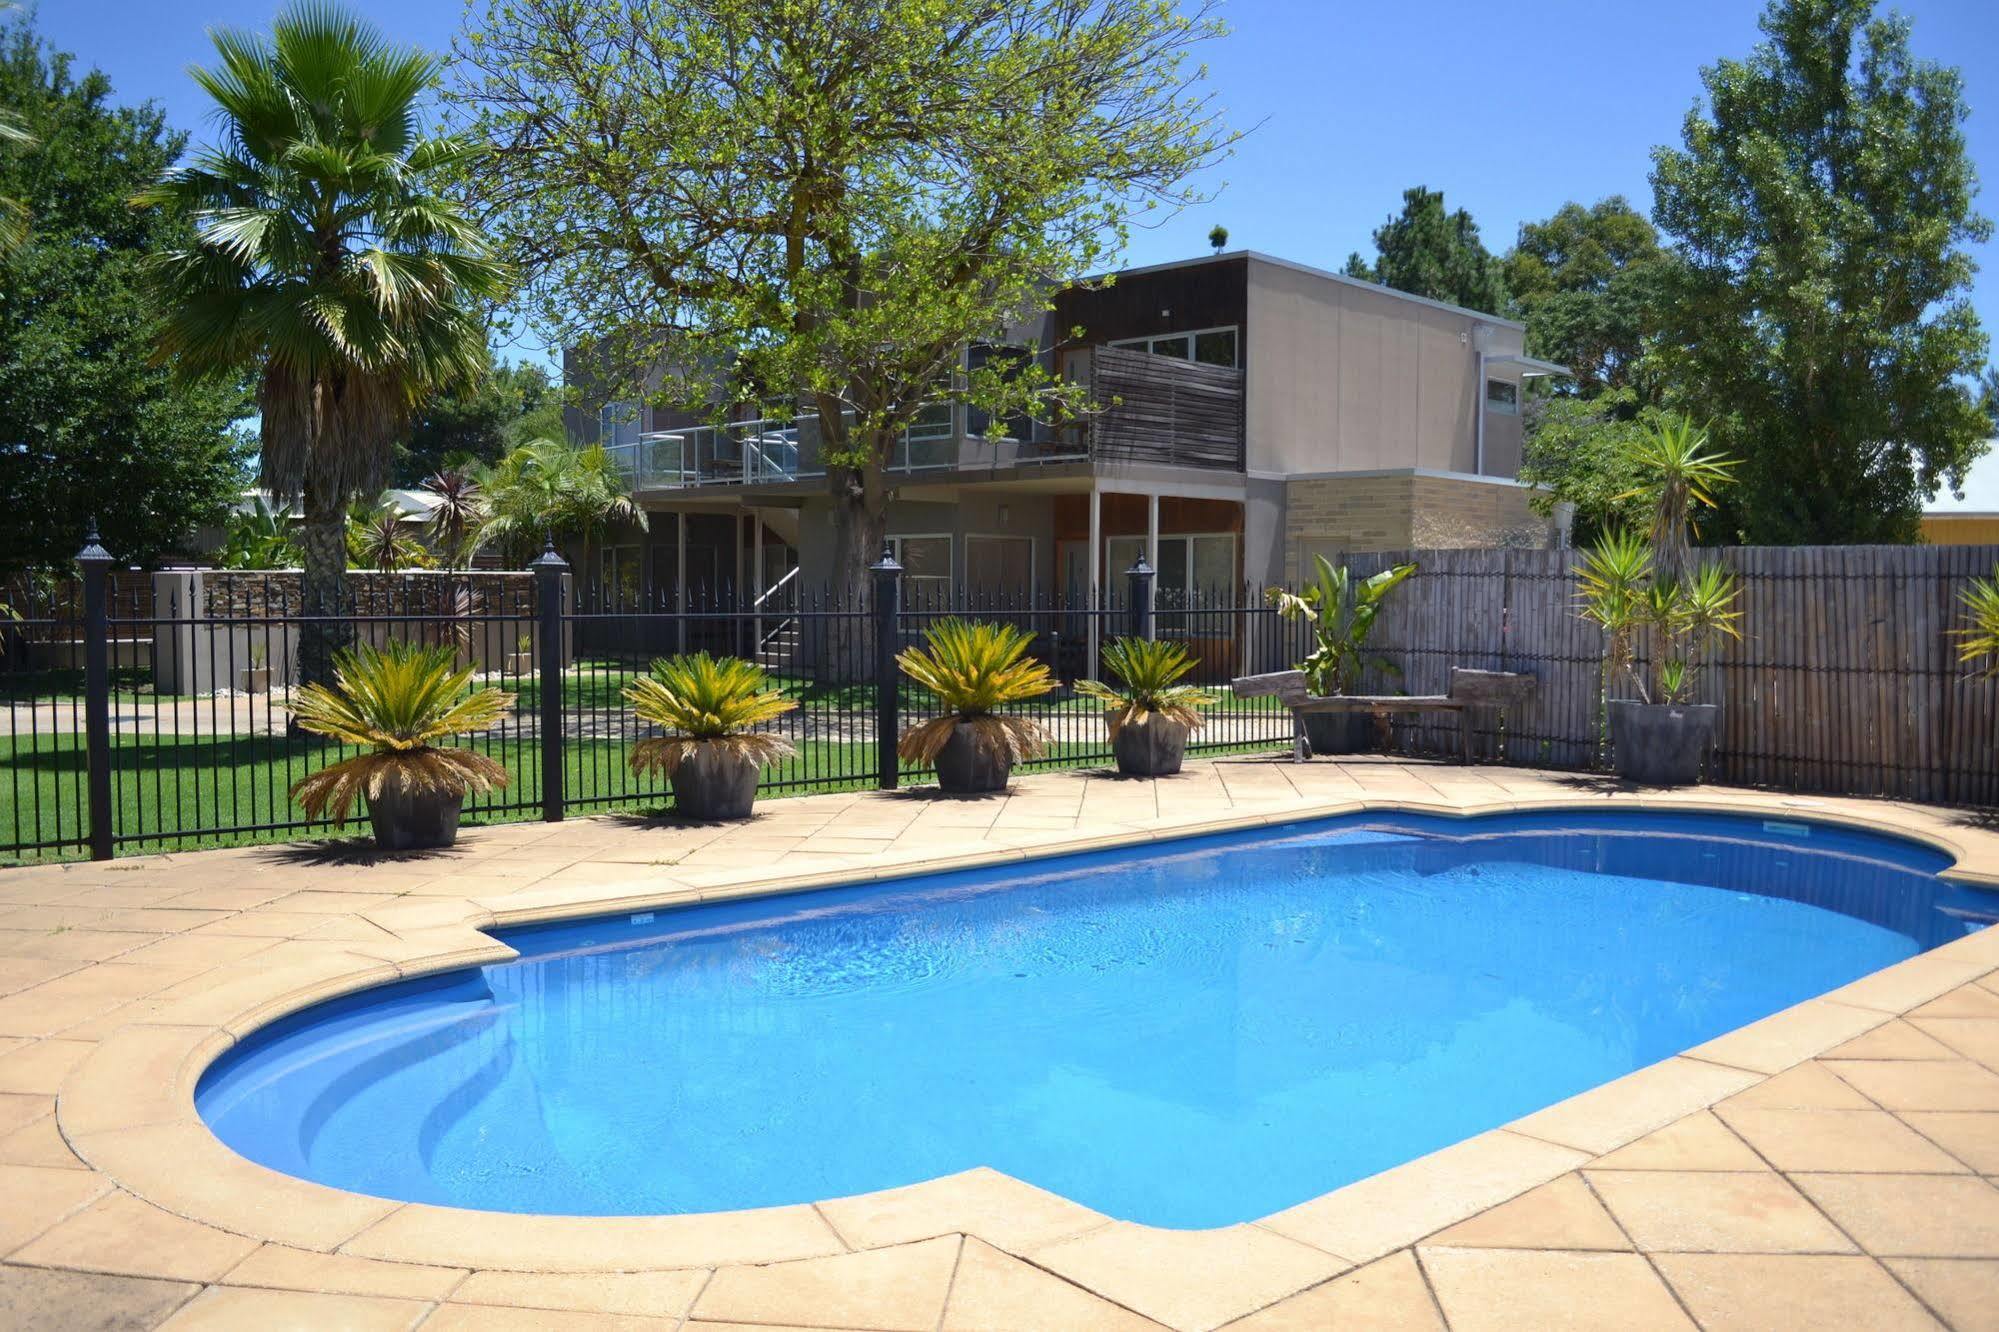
(1342, 612)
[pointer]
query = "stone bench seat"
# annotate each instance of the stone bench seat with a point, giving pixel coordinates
(1468, 689)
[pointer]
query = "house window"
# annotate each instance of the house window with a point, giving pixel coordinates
(1193, 569)
(1209, 346)
(926, 564)
(1502, 396)
(623, 571)
(1000, 569)
(618, 424)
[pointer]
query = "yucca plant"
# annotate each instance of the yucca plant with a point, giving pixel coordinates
(1681, 474)
(1151, 672)
(1621, 589)
(703, 700)
(1614, 582)
(972, 669)
(1978, 636)
(399, 700)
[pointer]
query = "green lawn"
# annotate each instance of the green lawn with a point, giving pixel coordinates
(181, 793)
(600, 683)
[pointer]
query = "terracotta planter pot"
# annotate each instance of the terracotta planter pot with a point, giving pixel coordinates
(255, 680)
(519, 663)
(715, 783)
(1661, 744)
(1339, 732)
(406, 821)
(1155, 749)
(964, 767)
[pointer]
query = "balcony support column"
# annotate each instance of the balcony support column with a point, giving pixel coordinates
(757, 565)
(1152, 530)
(680, 580)
(1097, 606)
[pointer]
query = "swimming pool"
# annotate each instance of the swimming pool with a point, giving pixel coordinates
(1187, 1034)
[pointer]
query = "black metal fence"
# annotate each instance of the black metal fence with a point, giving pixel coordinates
(150, 712)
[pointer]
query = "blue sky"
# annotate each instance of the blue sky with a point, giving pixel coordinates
(1510, 110)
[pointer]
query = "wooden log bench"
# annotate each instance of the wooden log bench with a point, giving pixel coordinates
(1468, 689)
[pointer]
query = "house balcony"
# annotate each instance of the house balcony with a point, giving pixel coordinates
(1151, 409)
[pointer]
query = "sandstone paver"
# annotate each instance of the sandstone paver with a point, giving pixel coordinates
(1521, 1290)
(1838, 1184)
(1743, 1292)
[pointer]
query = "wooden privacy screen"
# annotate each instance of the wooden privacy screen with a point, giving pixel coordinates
(1846, 678)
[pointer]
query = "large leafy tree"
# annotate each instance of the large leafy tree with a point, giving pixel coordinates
(1821, 205)
(90, 426)
(1587, 282)
(822, 201)
(476, 421)
(1427, 250)
(327, 261)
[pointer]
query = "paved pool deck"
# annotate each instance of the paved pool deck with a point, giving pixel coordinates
(1832, 1166)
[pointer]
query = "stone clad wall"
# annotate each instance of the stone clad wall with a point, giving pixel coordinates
(1332, 515)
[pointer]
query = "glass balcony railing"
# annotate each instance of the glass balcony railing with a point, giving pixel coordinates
(775, 451)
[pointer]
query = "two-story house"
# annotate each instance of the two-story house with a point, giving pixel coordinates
(1256, 412)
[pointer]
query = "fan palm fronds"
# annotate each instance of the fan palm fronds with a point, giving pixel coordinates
(397, 700)
(704, 700)
(330, 258)
(1151, 672)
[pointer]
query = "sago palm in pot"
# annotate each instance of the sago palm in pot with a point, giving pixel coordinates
(711, 752)
(1151, 716)
(399, 701)
(973, 669)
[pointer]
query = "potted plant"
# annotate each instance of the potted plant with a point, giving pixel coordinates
(1631, 585)
(1660, 737)
(710, 754)
(521, 660)
(256, 678)
(1342, 613)
(398, 701)
(972, 669)
(1151, 716)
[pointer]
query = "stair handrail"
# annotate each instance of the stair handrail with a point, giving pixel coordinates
(774, 588)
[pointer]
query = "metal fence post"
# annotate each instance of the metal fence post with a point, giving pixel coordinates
(95, 561)
(1140, 575)
(549, 568)
(888, 692)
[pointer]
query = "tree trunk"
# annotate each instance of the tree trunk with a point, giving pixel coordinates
(860, 521)
(323, 539)
(860, 525)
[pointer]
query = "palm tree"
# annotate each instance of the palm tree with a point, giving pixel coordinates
(545, 488)
(458, 516)
(13, 213)
(327, 258)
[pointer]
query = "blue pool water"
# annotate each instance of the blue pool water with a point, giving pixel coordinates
(1186, 1035)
